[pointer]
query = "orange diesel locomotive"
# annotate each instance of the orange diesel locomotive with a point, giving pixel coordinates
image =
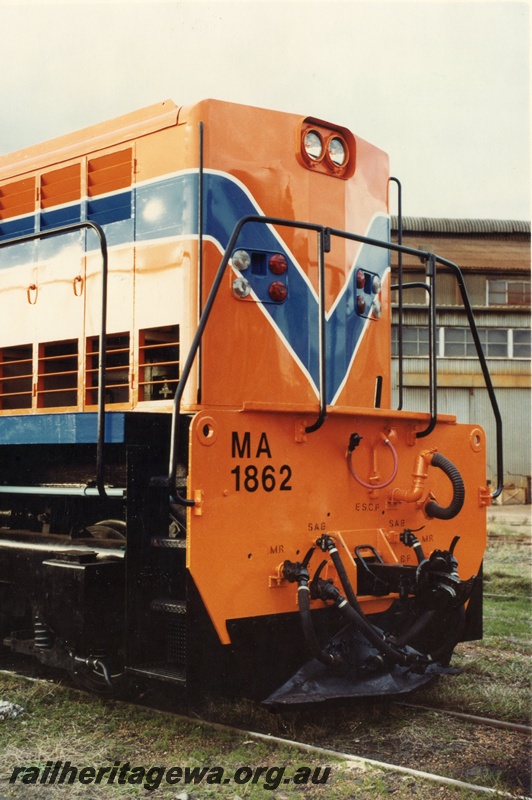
(203, 478)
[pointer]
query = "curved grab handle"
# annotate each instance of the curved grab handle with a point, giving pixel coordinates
(78, 285)
(32, 293)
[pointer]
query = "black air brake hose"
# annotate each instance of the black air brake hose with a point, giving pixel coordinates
(352, 611)
(432, 509)
(303, 597)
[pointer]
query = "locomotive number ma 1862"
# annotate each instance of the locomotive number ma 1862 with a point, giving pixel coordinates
(204, 480)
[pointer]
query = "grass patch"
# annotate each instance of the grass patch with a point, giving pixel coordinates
(61, 724)
(507, 622)
(508, 587)
(495, 681)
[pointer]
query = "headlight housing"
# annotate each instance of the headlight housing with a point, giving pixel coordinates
(328, 150)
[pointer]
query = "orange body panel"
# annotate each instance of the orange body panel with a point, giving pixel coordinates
(268, 491)
(153, 256)
(265, 489)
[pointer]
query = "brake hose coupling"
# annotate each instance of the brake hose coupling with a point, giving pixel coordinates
(326, 544)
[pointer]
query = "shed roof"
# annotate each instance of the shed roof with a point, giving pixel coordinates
(469, 227)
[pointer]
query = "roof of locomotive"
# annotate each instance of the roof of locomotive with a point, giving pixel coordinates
(114, 132)
(104, 134)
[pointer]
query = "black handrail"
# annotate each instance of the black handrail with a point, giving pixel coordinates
(433, 380)
(430, 258)
(187, 368)
(76, 226)
(324, 246)
(400, 290)
(485, 371)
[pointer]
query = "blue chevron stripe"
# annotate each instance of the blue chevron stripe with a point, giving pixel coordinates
(167, 208)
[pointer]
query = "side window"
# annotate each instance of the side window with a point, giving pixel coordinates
(508, 293)
(415, 341)
(521, 344)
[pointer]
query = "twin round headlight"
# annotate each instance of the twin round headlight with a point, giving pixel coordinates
(334, 149)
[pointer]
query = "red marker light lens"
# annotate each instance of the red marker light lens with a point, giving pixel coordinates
(278, 264)
(277, 291)
(361, 279)
(361, 304)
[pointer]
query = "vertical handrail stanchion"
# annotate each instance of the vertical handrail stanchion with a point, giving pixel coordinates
(485, 371)
(324, 245)
(201, 174)
(400, 291)
(433, 374)
(102, 359)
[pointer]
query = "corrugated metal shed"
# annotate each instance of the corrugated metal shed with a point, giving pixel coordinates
(484, 318)
(485, 249)
(468, 227)
(472, 406)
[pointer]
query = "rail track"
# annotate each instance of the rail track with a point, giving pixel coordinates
(515, 539)
(356, 751)
(472, 718)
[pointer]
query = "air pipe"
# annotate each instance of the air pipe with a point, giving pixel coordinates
(351, 610)
(413, 495)
(298, 571)
(432, 509)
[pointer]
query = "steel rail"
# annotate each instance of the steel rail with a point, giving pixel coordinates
(474, 719)
(316, 750)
